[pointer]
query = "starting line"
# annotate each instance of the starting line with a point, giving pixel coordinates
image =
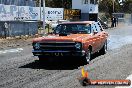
(11, 51)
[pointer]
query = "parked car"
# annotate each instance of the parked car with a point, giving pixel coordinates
(81, 39)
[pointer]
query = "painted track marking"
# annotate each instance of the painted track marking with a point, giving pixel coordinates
(11, 51)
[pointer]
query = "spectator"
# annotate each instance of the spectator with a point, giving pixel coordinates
(5, 27)
(112, 21)
(115, 20)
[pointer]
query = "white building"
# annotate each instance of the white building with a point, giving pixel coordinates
(89, 9)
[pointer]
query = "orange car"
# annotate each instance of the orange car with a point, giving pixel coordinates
(81, 39)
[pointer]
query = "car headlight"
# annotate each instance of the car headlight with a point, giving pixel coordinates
(78, 45)
(37, 45)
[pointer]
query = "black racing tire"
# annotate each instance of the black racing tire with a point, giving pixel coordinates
(43, 59)
(103, 50)
(88, 56)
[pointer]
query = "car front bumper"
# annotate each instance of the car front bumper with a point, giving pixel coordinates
(58, 53)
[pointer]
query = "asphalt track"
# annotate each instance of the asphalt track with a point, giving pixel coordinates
(20, 69)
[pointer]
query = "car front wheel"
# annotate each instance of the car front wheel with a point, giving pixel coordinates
(88, 56)
(43, 59)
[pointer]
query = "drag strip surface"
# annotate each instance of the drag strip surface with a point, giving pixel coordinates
(11, 50)
(23, 70)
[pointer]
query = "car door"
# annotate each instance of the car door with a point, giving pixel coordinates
(96, 38)
(102, 34)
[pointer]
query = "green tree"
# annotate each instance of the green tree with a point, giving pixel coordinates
(127, 4)
(56, 3)
(107, 6)
(47, 3)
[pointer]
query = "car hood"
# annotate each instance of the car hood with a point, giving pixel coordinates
(68, 38)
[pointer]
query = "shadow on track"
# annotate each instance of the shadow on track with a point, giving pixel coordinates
(69, 63)
(56, 64)
(95, 55)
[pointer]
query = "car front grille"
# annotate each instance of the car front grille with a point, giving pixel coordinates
(58, 46)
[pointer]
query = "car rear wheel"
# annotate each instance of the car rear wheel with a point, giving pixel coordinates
(88, 56)
(104, 49)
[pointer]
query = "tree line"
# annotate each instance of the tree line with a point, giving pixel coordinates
(104, 5)
(56, 3)
(108, 5)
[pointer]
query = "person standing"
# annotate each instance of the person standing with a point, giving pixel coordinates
(112, 21)
(5, 27)
(115, 21)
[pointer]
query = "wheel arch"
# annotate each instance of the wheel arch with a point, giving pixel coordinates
(90, 47)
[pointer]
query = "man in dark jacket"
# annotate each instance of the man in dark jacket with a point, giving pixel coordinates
(112, 21)
(115, 21)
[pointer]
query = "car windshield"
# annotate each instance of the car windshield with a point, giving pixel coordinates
(73, 28)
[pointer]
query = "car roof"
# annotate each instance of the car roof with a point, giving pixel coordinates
(78, 22)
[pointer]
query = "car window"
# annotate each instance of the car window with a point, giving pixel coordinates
(98, 27)
(73, 28)
(93, 28)
(84, 28)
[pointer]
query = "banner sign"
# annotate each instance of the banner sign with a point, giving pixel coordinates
(5, 12)
(72, 14)
(52, 13)
(26, 13)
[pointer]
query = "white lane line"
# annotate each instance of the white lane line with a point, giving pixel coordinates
(130, 78)
(11, 51)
